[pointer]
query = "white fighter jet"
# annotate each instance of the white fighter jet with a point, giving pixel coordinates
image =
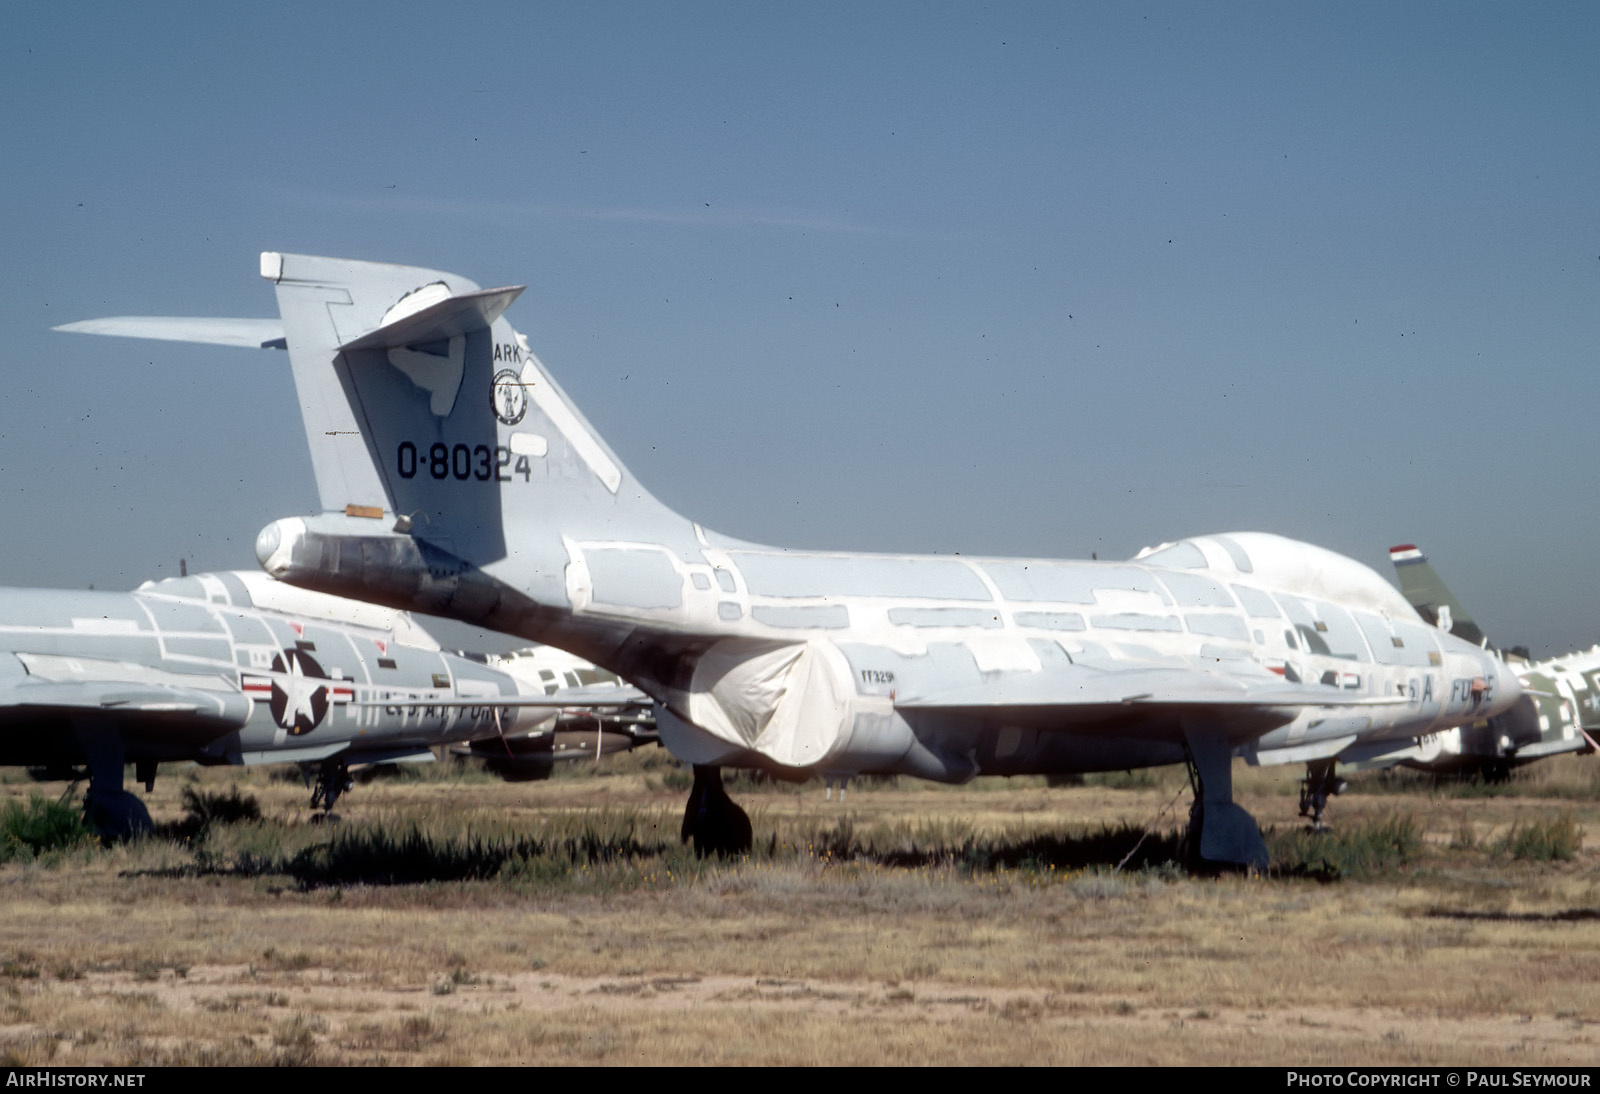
(458, 479)
(614, 717)
(235, 668)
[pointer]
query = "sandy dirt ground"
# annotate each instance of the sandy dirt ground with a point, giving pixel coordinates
(1463, 955)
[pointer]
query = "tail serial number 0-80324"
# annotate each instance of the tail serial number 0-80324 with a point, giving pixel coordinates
(463, 463)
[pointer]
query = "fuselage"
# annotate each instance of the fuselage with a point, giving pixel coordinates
(1559, 712)
(859, 639)
(820, 661)
(457, 478)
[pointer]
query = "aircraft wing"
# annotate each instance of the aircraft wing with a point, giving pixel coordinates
(1082, 696)
(107, 695)
(598, 697)
(207, 706)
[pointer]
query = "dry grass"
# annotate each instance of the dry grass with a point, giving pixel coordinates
(912, 924)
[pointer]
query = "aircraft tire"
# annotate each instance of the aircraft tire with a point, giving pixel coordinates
(1227, 840)
(117, 814)
(713, 820)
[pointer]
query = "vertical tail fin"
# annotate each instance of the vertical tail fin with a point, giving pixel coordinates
(427, 413)
(320, 313)
(423, 406)
(1421, 586)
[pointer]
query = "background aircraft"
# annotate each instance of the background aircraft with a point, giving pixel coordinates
(578, 732)
(1559, 711)
(234, 668)
(457, 479)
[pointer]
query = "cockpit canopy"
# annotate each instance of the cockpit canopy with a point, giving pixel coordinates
(1280, 563)
(253, 589)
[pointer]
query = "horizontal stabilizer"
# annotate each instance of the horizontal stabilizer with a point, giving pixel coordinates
(463, 314)
(245, 333)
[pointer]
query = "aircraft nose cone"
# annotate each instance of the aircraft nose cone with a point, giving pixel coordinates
(1507, 689)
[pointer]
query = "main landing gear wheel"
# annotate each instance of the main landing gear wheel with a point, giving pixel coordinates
(110, 810)
(716, 824)
(116, 814)
(1222, 835)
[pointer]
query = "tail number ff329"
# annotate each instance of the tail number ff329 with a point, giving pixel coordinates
(460, 462)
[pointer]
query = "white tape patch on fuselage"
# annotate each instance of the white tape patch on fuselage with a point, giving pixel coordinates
(100, 625)
(528, 444)
(566, 422)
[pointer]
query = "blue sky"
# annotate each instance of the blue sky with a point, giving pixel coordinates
(1012, 279)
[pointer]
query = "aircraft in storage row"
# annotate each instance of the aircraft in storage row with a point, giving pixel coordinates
(235, 668)
(1558, 714)
(456, 478)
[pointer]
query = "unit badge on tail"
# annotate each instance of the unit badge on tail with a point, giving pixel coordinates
(509, 399)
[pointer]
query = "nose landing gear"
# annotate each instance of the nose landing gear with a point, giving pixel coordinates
(1316, 788)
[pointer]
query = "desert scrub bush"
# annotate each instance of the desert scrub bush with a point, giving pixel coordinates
(1355, 852)
(644, 760)
(680, 778)
(1575, 778)
(378, 856)
(1107, 846)
(413, 1034)
(252, 847)
(202, 808)
(1468, 784)
(1546, 840)
(1142, 778)
(627, 849)
(745, 781)
(607, 848)
(39, 826)
(954, 842)
(453, 770)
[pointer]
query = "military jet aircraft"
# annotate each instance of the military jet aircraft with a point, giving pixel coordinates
(457, 478)
(235, 668)
(580, 732)
(1559, 711)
